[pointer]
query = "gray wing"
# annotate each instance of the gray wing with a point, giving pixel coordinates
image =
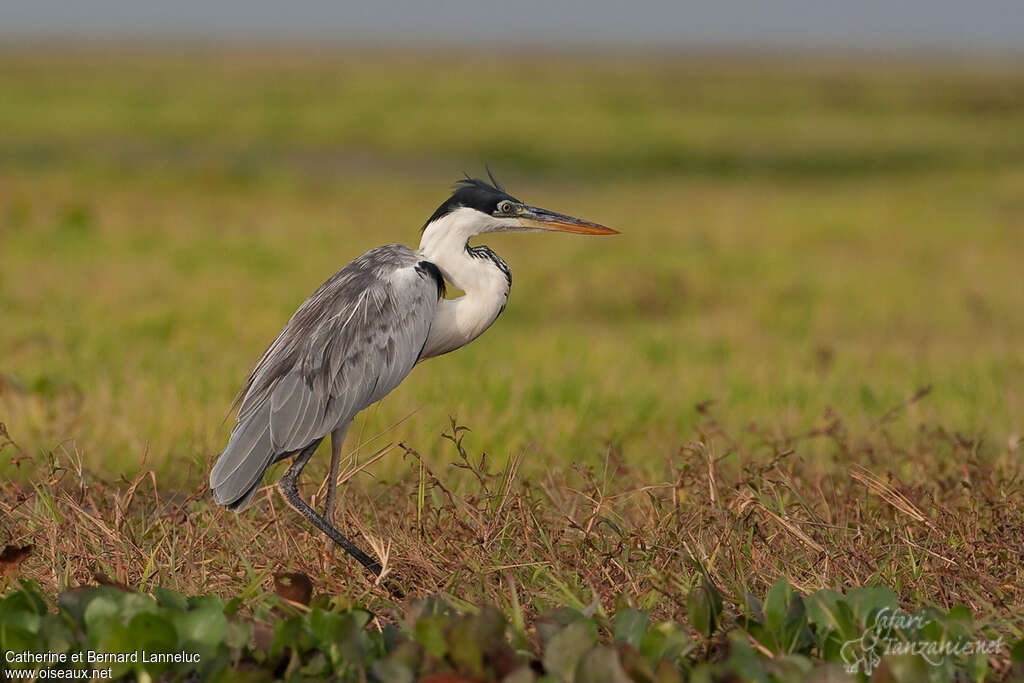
(346, 347)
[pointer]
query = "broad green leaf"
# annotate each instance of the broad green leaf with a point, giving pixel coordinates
(630, 625)
(665, 641)
(1017, 653)
(904, 669)
(866, 600)
(752, 607)
(552, 621)
(742, 660)
(489, 624)
(165, 597)
(429, 632)
(55, 632)
(33, 594)
(408, 654)
(776, 605)
(785, 618)
(153, 632)
(601, 665)
(567, 647)
(961, 613)
(823, 611)
(704, 607)
(238, 634)
(834, 623)
(790, 667)
(14, 639)
(354, 644)
(200, 629)
(18, 611)
(521, 675)
(667, 673)
(290, 633)
(101, 608)
(392, 671)
(113, 637)
(465, 646)
(325, 627)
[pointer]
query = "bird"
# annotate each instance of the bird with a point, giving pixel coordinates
(362, 332)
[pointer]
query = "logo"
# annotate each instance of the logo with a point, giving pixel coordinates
(894, 632)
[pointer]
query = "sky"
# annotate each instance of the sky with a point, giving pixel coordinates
(953, 25)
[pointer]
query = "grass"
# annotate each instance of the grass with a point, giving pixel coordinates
(597, 540)
(733, 386)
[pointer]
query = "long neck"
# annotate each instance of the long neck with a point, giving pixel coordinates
(477, 271)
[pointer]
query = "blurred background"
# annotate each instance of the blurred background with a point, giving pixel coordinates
(821, 207)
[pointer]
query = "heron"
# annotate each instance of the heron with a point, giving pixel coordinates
(360, 334)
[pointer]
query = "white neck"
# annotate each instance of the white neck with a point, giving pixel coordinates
(459, 321)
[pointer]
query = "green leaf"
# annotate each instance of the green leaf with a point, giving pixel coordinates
(169, 599)
(13, 638)
(101, 608)
(752, 608)
(112, 637)
(238, 634)
(201, 630)
(31, 592)
(19, 611)
(521, 675)
(153, 632)
(742, 658)
(290, 633)
(785, 618)
(630, 625)
(665, 641)
(407, 655)
(552, 621)
(823, 610)
(962, 614)
(325, 627)
(601, 665)
(567, 647)
(866, 600)
(834, 623)
(1017, 653)
(392, 671)
(908, 668)
(668, 673)
(355, 646)
(211, 603)
(790, 667)
(464, 646)
(776, 605)
(56, 634)
(1017, 660)
(704, 607)
(489, 624)
(429, 632)
(73, 602)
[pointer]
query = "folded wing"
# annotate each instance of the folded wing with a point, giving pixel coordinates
(346, 347)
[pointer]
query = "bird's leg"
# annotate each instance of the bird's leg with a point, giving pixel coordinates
(288, 485)
(337, 439)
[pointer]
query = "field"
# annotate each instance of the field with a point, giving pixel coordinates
(802, 358)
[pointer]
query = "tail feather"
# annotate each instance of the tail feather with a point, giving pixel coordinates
(243, 502)
(240, 468)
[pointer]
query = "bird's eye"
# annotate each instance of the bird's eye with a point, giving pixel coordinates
(505, 207)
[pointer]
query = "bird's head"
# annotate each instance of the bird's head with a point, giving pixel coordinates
(477, 207)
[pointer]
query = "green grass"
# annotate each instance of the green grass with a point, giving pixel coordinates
(163, 216)
(804, 247)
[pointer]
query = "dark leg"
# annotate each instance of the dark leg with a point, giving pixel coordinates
(337, 439)
(289, 487)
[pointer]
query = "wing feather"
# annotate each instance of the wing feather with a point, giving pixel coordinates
(346, 347)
